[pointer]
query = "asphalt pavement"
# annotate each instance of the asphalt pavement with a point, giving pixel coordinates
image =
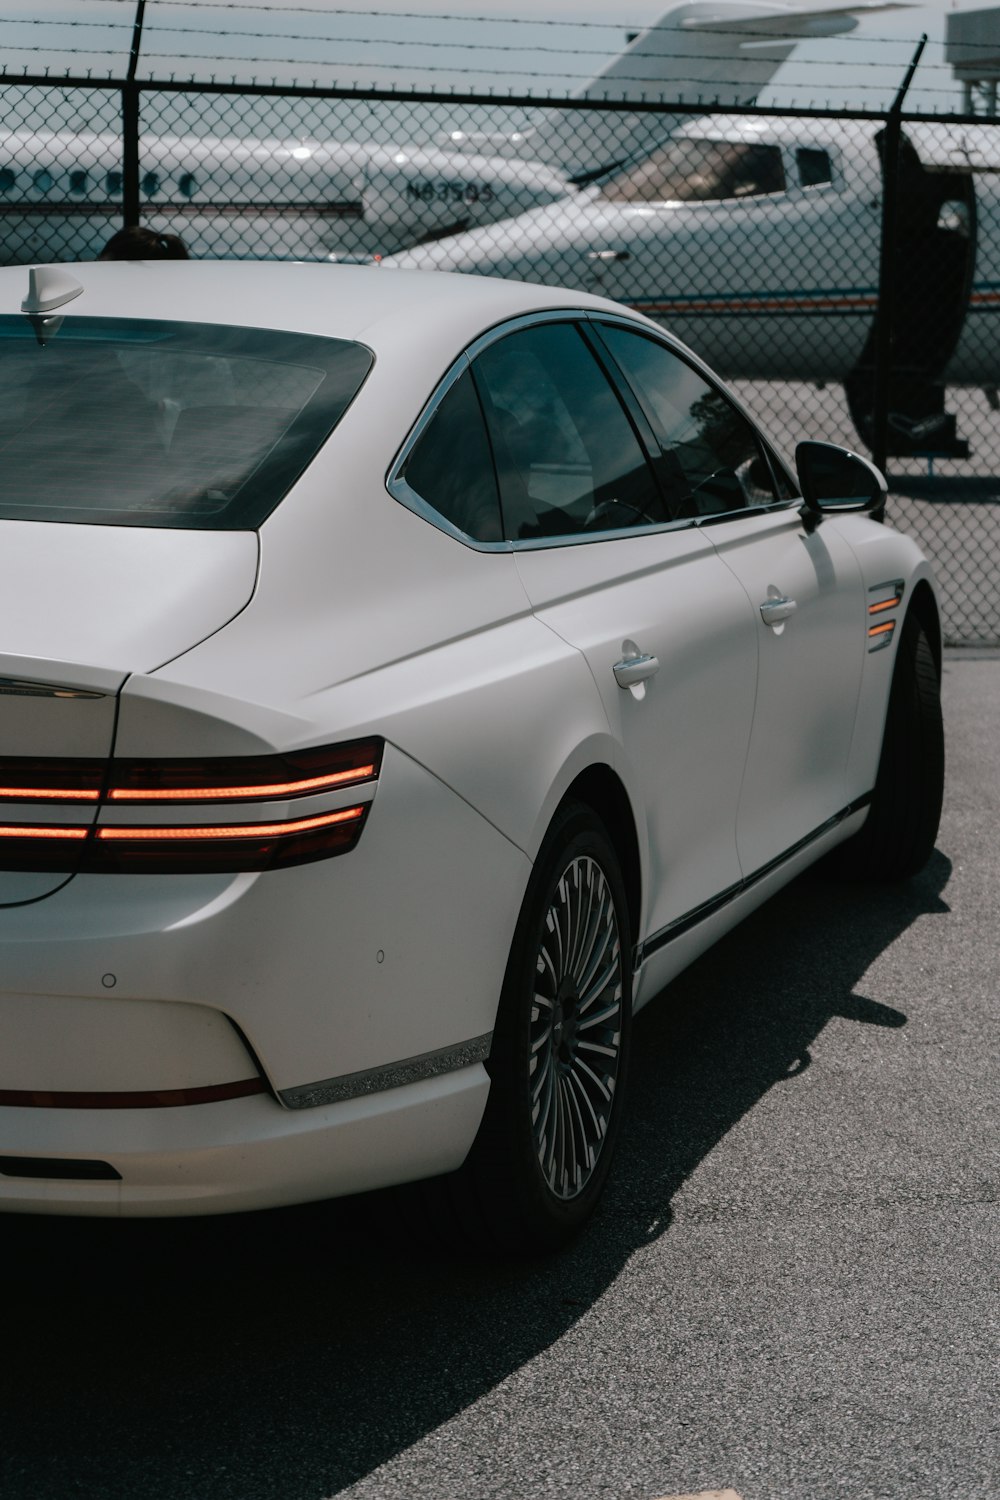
(791, 1291)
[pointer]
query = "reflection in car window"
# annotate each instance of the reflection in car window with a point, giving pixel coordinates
(451, 467)
(692, 170)
(133, 422)
(713, 462)
(567, 457)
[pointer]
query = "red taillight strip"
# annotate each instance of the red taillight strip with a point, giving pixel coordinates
(157, 846)
(49, 794)
(141, 1099)
(41, 831)
(242, 778)
(136, 834)
(263, 791)
(246, 778)
(37, 778)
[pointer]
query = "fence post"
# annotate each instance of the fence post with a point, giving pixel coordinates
(885, 322)
(130, 127)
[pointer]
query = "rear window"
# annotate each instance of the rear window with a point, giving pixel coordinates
(141, 423)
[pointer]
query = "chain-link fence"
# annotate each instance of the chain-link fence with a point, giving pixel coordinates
(846, 278)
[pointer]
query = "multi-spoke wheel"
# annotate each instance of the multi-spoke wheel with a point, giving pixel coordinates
(575, 1033)
(560, 1047)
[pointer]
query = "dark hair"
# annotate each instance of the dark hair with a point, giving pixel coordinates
(137, 243)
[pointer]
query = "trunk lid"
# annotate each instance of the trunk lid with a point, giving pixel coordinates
(81, 608)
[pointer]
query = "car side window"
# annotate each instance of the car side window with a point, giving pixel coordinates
(451, 468)
(568, 460)
(713, 462)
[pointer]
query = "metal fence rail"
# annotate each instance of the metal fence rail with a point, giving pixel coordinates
(843, 272)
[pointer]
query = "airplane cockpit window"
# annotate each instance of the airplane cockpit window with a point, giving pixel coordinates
(712, 462)
(686, 171)
(568, 460)
(451, 469)
(813, 166)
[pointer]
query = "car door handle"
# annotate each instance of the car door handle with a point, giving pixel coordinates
(773, 611)
(633, 669)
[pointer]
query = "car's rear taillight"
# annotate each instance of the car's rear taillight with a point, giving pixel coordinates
(247, 778)
(208, 842)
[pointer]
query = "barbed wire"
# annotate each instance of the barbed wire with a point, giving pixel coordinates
(152, 28)
(394, 15)
(466, 55)
(457, 47)
(451, 16)
(667, 98)
(464, 71)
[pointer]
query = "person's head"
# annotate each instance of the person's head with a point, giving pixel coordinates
(138, 243)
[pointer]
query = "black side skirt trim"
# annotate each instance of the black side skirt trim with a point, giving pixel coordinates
(684, 924)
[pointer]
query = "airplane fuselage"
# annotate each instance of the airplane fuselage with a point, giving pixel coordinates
(780, 283)
(61, 195)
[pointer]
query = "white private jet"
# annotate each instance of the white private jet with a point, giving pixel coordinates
(757, 241)
(60, 191)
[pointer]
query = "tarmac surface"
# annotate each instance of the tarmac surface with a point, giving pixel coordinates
(791, 1291)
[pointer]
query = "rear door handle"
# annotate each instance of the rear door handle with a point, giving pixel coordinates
(773, 611)
(633, 669)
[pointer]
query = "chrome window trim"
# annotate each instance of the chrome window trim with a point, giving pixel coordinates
(401, 492)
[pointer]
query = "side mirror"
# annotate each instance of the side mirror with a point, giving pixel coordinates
(834, 479)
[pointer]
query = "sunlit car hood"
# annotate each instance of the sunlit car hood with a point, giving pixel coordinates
(120, 599)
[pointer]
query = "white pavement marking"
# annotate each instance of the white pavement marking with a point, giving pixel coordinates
(705, 1495)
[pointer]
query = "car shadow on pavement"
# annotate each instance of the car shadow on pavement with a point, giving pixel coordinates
(291, 1353)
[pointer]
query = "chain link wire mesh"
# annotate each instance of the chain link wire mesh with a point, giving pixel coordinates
(755, 238)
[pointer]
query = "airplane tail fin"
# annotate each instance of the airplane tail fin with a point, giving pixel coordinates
(725, 52)
(696, 53)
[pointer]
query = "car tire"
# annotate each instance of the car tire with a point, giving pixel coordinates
(560, 1050)
(898, 835)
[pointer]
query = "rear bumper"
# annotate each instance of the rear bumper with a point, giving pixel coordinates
(239, 1154)
(313, 973)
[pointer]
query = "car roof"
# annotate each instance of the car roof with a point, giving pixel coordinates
(377, 306)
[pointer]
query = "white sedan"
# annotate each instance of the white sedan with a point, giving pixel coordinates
(404, 676)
